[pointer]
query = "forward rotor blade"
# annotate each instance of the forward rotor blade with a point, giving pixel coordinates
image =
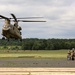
(29, 21)
(3, 17)
(27, 18)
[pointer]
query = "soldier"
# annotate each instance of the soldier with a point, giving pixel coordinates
(69, 55)
(72, 55)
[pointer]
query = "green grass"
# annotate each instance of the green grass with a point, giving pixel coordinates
(52, 54)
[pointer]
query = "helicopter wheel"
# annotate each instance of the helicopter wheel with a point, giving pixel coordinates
(3, 38)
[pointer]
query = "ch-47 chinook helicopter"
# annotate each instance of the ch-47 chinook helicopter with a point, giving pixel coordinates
(10, 31)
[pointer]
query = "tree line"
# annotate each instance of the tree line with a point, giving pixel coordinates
(39, 44)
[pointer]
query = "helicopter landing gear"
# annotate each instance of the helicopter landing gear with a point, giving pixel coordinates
(3, 38)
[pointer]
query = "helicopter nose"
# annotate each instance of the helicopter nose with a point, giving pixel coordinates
(6, 28)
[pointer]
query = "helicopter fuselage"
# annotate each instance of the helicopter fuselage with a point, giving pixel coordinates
(14, 31)
(11, 31)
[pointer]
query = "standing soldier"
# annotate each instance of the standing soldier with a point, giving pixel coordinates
(72, 55)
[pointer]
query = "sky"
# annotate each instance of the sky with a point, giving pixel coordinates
(58, 14)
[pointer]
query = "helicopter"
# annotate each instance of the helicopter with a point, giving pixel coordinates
(13, 31)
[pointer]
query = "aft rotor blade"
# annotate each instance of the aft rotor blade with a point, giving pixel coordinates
(14, 17)
(29, 21)
(3, 17)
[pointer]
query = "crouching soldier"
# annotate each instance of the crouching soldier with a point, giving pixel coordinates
(69, 55)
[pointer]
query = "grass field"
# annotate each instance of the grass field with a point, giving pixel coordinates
(52, 54)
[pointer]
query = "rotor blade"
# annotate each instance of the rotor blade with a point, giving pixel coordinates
(29, 21)
(14, 17)
(27, 18)
(3, 17)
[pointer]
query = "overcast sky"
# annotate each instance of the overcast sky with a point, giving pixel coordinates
(59, 14)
